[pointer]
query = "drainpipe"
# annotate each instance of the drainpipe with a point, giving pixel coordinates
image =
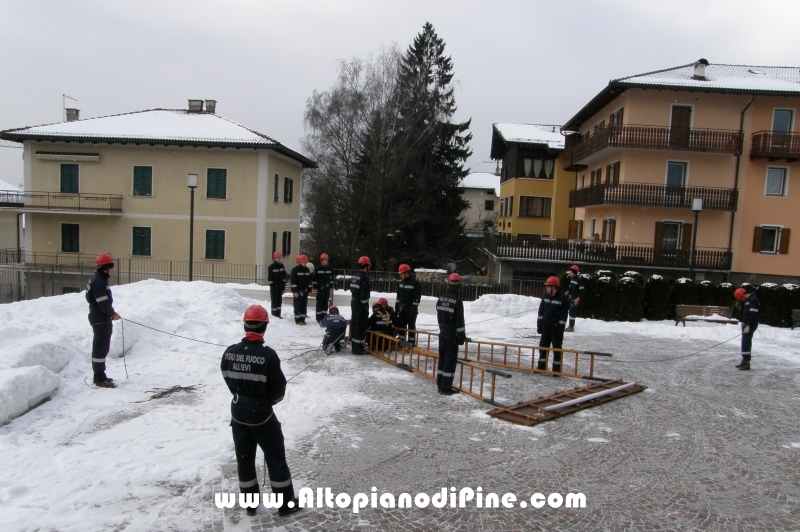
(736, 175)
(19, 244)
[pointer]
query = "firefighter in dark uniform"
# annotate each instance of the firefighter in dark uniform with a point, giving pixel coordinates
(253, 374)
(359, 305)
(335, 330)
(575, 293)
(276, 277)
(750, 308)
(409, 293)
(323, 282)
(452, 333)
(383, 317)
(553, 312)
(101, 314)
(300, 280)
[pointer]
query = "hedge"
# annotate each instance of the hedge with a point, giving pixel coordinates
(631, 299)
(657, 304)
(607, 296)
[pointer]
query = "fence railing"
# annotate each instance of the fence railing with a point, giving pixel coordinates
(775, 145)
(654, 138)
(565, 251)
(650, 195)
(56, 201)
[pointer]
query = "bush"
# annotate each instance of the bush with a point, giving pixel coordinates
(773, 305)
(631, 299)
(725, 299)
(606, 300)
(792, 299)
(657, 304)
(586, 307)
(706, 293)
(684, 292)
(636, 276)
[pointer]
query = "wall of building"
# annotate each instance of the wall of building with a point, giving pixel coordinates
(476, 213)
(8, 230)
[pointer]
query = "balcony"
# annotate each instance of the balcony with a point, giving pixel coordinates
(59, 202)
(647, 195)
(775, 145)
(627, 255)
(718, 141)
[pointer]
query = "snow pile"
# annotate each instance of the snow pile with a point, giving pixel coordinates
(23, 388)
(504, 304)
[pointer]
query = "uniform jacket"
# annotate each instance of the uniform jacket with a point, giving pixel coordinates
(252, 371)
(98, 294)
(300, 279)
(409, 292)
(276, 275)
(450, 313)
(750, 311)
(575, 288)
(359, 287)
(335, 325)
(553, 310)
(382, 320)
(323, 278)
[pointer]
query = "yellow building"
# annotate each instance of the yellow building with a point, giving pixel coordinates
(119, 184)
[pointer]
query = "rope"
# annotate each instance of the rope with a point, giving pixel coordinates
(169, 333)
(160, 393)
(123, 348)
(675, 358)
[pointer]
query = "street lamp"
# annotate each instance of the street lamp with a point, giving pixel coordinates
(697, 206)
(192, 184)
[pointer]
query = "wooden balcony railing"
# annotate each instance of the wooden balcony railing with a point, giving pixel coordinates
(653, 138)
(56, 201)
(775, 145)
(647, 195)
(633, 255)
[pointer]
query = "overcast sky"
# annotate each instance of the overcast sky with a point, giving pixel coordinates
(514, 61)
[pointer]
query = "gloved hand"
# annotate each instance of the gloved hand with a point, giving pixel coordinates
(539, 329)
(462, 337)
(414, 311)
(746, 330)
(560, 328)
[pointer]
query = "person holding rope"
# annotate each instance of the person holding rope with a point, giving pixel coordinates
(750, 308)
(323, 282)
(101, 314)
(406, 307)
(253, 374)
(575, 292)
(452, 333)
(335, 330)
(553, 312)
(359, 305)
(300, 279)
(276, 276)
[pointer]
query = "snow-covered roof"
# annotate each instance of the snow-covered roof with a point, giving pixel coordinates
(532, 134)
(482, 180)
(741, 77)
(8, 186)
(169, 126)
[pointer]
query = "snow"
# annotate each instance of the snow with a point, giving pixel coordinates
(8, 186)
(532, 134)
(684, 280)
(719, 76)
(481, 180)
(102, 459)
(23, 388)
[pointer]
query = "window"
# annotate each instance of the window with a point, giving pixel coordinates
(69, 178)
(616, 118)
(593, 228)
(776, 182)
(489, 205)
(216, 184)
(582, 180)
(215, 244)
(70, 238)
(672, 235)
(287, 243)
(597, 176)
(676, 174)
(535, 206)
(612, 173)
(771, 239)
(609, 230)
(288, 189)
(782, 120)
(599, 126)
(274, 241)
(142, 180)
(276, 194)
(141, 241)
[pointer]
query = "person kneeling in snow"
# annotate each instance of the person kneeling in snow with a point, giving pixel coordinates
(253, 374)
(101, 314)
(335, 330)
(383, 317)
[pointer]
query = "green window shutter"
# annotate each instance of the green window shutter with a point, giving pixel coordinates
(276, 194)
(215, 245)
(69, 178)
(141, 241)
(217, 183)
(142, 180)
(70, 238)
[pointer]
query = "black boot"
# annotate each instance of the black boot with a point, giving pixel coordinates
(743, 365)
(285, 510)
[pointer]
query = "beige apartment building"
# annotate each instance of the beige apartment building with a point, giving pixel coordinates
(119, 184)
(481, 190)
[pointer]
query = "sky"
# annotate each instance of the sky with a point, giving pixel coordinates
(514, 61)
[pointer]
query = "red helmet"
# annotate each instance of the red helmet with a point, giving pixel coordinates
(334, 308)
(404, 268)
(552, 281)
(277, 255)
(383, 302)
(104, 259)
(324, 256)
(364, 260)
(256, 313)
(376, 305)
(738, 293)
(454, 278)
(302, 258)
(575, 268)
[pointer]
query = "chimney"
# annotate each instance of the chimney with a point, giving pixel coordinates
(700, 69)
(497, 168)
(195, 106)
(73, 115)
(211, 106)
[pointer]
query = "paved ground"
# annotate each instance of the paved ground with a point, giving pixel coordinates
(706, 447)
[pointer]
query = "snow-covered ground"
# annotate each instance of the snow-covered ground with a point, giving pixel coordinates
(97, 459)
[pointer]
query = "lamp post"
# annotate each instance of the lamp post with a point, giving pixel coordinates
(192, 184)
(697, 206)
